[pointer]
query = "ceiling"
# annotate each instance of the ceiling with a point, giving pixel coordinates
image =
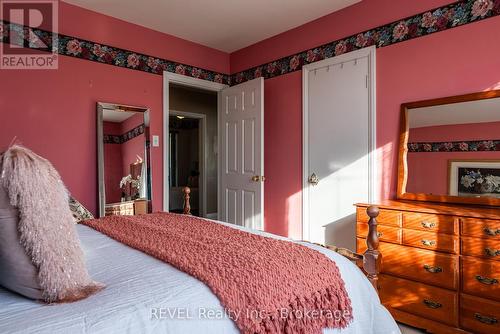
(116, 116)
(226, 25)
(481, 111)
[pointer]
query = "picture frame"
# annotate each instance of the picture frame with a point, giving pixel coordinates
(474, 178)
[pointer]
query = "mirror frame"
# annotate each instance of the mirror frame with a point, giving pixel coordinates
(101, 190)
(403, 151)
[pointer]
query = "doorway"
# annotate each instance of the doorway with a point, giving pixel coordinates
(237, 143)
(192, 149)
(338, 145)
(187, 164)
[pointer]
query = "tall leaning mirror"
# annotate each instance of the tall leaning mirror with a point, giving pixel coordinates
(450, 150)
(124, 159)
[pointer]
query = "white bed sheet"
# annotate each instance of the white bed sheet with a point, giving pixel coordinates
(139, 288)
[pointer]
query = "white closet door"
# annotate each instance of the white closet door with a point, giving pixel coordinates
(241, 127)
(337, 165)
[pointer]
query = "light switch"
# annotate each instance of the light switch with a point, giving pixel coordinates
(156, 141)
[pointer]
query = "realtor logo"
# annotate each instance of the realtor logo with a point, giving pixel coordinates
(29, 34)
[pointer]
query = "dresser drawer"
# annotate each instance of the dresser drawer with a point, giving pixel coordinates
(121, 209)
(481, 277)
(420, 299)
(385, 233)
(481, 228)
(433, 241)
(140, 207)
(486, 248)
(430, 222)
(385, 217)
(418, 264)
(479, 315)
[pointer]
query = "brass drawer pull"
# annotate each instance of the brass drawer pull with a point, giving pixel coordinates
(484, 319)
(432, 304)
(491, 232)
(426, 224)
(426, 242)
(432, 269)
(486, 280)
(492, 252)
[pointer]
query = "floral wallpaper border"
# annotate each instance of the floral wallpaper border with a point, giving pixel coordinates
(455, 146)
(120, 139)
(440, 19)
(88, 50)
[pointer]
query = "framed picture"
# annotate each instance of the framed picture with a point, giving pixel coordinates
(474, 178)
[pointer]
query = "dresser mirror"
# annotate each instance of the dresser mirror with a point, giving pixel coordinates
(124, 168)
(450, 149)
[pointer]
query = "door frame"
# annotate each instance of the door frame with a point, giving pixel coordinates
(202, 130)
(369, 52)
(178, 79)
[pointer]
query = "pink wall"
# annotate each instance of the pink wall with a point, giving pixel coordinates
(428, 171)
(133, 147)
(283, 155)
(362, 16)
(456, 132)
(430, 67)
(118, 157)
(113, 170)
(456, 61)
(79, 22)
(57, 108)
(53, 111)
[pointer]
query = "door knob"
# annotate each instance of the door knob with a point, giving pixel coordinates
(313, 179)
(256, 178)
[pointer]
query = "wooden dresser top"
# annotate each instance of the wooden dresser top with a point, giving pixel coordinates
(438, 208)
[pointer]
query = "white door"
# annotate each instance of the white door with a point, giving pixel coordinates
(241, 128)
(338, 141)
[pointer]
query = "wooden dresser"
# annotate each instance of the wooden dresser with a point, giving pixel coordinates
(440, 264)
(128, 208)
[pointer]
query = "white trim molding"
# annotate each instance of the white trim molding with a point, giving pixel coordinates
(370, 53)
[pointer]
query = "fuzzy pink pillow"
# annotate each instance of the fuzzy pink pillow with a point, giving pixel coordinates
(18, 272)
(46, 230)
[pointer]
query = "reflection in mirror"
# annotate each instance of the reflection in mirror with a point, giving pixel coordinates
(124, 160)
(454, 149)
(185, 151)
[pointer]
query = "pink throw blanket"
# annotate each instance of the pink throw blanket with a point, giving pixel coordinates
(277, 286)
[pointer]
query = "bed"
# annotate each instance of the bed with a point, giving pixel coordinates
(145, 295)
